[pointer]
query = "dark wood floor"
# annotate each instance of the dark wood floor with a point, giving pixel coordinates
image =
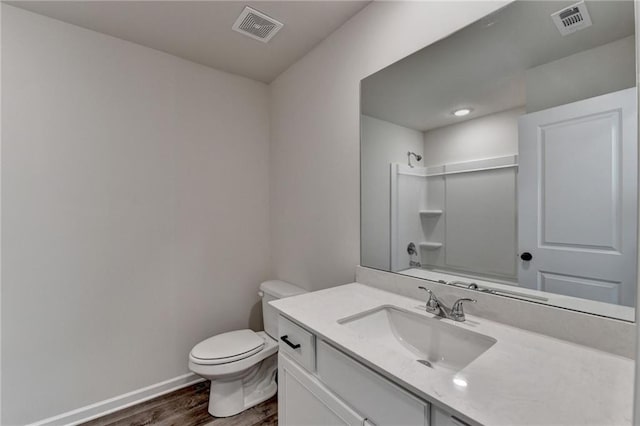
(187, 407)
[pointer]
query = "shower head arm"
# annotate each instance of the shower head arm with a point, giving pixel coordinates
(417, 156)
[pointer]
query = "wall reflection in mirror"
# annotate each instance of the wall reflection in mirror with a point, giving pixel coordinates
(505, 157)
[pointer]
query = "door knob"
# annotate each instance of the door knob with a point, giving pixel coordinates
(526, 256)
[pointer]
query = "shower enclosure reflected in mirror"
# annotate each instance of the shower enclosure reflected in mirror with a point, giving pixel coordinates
(504, 158)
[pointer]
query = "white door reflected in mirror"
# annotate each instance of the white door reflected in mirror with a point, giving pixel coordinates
(577, 193)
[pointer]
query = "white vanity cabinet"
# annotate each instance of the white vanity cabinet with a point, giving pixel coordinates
(304, 400)
(320, 385)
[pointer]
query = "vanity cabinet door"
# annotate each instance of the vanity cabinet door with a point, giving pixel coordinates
(442, 418)
(304, 401)
(382, 402)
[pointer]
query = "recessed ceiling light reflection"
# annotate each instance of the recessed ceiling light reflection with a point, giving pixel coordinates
(462, 112)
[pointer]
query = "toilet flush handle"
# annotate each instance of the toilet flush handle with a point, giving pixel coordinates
(260, 293)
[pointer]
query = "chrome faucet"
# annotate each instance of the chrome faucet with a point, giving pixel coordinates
(435, 306)
(457, 312)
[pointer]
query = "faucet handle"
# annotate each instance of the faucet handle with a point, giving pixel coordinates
(457, 312)
(433, 304)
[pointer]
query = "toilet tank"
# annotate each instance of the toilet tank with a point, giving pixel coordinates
(273, 290)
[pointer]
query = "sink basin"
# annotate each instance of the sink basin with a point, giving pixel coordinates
(434, 343)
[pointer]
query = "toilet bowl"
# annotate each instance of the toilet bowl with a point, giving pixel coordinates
(242, 364)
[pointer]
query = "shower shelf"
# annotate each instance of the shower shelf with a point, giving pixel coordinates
(430, 213)
(430, 245)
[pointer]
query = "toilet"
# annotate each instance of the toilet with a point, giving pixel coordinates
(242, 364)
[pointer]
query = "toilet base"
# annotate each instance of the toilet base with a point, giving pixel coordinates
(230, 397)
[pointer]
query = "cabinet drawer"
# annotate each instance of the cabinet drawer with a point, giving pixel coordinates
(379, 400)
(441, 418)
(298, 343)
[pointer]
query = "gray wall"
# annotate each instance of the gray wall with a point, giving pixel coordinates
(604, 69)
(135, 213)
(315, 122)
(493, 135)
(636, 399)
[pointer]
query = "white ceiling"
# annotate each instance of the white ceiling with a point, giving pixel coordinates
(200, 31)
(483, 66)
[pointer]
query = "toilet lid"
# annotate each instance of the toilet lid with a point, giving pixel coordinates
(227, 347)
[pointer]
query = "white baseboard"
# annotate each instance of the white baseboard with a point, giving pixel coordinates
(119, 402)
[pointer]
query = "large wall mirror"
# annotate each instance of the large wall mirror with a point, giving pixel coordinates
(504, 158)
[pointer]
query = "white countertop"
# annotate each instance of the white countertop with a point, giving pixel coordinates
(524, 379)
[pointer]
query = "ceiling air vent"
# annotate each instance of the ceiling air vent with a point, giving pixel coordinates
(572, 18)
(257, 25)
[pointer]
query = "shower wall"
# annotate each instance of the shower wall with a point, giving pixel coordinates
(408, 199)
(449, 214)
(382, 143)
(461, 217)
(472, 169)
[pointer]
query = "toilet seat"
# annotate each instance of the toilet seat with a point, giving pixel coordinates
(231, 368)
(227, 347)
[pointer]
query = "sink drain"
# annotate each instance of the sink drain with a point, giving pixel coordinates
(425, 362)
